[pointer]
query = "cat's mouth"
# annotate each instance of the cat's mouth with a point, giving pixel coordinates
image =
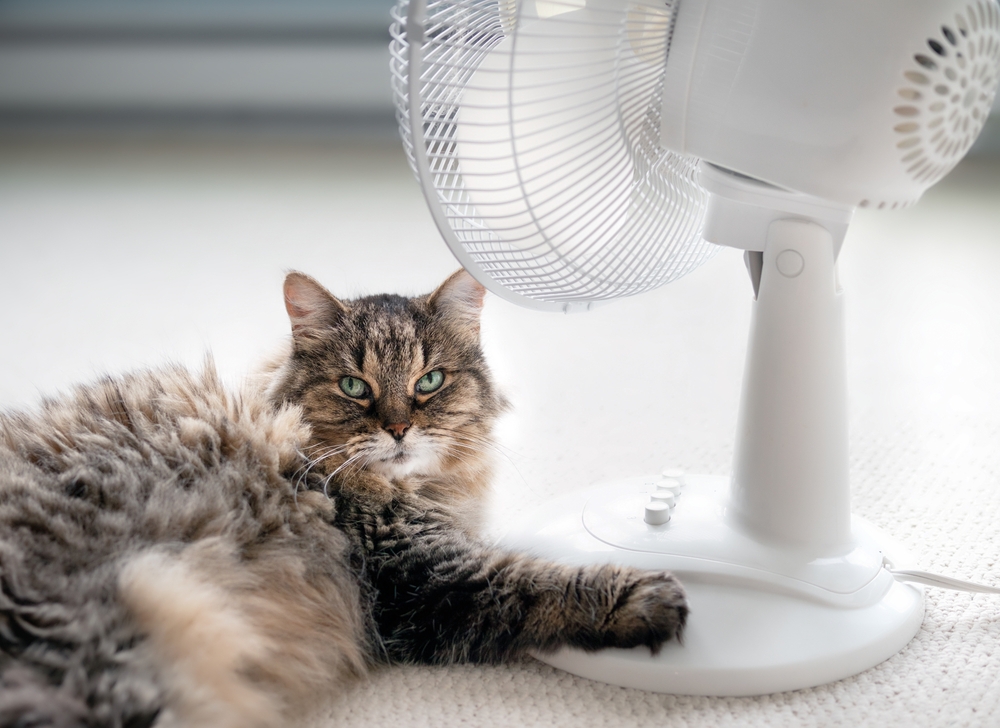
(402, 454)
(412, 456)
(393, 451)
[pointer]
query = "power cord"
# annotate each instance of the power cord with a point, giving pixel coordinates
(942, 582)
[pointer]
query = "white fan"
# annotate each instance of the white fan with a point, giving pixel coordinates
(575, 151)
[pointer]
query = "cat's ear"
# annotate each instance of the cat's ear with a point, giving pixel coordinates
(310, 307)
(460, 299)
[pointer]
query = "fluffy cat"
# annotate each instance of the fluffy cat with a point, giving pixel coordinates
(175, 554)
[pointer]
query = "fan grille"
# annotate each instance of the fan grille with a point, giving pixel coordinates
(596, 211)
(948, 92)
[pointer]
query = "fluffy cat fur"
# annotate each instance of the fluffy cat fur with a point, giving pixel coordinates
(176, 554)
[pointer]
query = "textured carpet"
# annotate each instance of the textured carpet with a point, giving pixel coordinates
(127, 253)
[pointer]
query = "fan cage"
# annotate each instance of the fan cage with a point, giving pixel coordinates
(602, 210)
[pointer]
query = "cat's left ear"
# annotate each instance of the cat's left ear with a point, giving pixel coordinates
(311, 308)
(460, 299)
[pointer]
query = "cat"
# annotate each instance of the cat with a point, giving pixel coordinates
(176, 554)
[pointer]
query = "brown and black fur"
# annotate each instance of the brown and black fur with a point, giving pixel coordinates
(175, 554)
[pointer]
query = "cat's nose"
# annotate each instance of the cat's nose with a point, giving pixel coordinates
(397, 429)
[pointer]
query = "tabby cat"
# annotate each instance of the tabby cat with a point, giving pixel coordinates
(176, 554)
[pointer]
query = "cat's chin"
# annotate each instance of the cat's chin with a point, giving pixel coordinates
(397, 461)
(406, 466)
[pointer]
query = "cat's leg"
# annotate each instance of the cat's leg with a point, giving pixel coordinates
(202, 642)
(444, 598)
(253, 636)
(373, 488)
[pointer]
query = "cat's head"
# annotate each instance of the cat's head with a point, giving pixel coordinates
(394, 385)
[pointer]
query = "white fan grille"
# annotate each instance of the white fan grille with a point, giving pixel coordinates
(586, 206)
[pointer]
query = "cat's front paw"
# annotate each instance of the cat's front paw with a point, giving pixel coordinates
(370, 487)
(649, 609)
(373, 488)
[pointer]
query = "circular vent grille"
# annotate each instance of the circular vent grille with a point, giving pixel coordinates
(948, 92)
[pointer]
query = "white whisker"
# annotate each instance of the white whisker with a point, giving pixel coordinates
(331, 476)
(466, 440)
(313, 462)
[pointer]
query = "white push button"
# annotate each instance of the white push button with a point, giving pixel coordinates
(657, 513)
(671, 485)
(790, 263)
(675, 473)
(664, 496)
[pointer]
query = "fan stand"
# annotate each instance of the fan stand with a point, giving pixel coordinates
(786, 589)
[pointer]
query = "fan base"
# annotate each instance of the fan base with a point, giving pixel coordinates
(758, 622)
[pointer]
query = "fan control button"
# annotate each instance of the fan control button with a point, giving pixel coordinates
(671, 485)
(675, 473)
(790, 263)
(664, 496)
(657, 513)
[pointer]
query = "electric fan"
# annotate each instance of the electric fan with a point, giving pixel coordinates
(575, 151)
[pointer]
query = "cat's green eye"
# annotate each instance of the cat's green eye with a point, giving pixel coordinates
(430, 382)
(354, 387)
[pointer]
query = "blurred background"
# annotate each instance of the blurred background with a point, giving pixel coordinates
(194, 63)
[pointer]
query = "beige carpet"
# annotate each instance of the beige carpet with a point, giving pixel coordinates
(114, 255)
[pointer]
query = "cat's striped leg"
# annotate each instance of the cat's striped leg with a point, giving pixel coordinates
(444, 598)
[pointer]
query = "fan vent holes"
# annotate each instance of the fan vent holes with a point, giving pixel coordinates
(896, 205)
(947, 93)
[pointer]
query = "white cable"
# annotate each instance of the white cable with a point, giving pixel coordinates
(942, 582)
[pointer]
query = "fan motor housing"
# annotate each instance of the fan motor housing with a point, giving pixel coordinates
(864, 103)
